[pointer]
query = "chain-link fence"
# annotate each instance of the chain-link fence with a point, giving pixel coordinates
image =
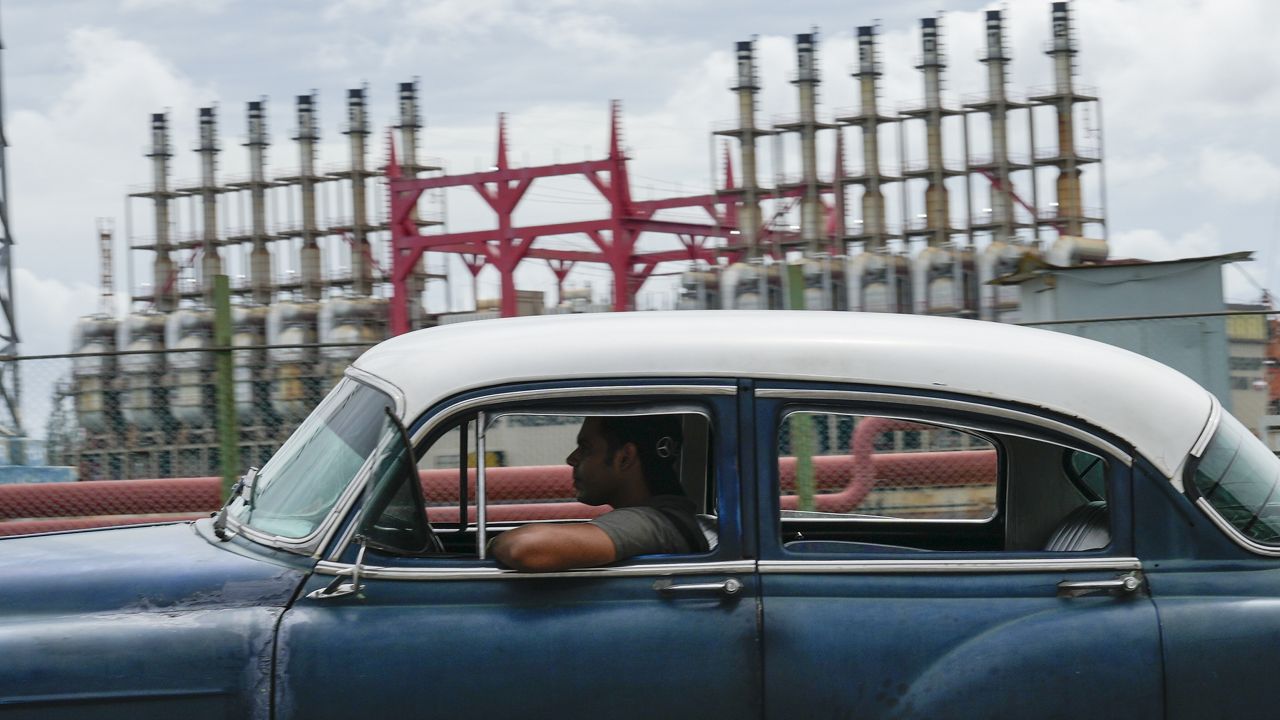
(154, 414)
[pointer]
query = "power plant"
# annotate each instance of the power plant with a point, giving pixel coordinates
(896, 219)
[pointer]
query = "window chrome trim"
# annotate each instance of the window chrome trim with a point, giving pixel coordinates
(590, 392)
(378, 383)
(1210, 427)
(372, 572)
(958, 566)
(1238, 537)
(947, 404)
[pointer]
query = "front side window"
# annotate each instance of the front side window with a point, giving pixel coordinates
(536, 471)
(296, 489)
(1238, 476)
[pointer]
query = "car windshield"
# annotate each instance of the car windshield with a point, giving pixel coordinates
(1238, 477)
(298, 487)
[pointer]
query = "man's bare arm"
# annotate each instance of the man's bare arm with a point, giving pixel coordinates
(550, 548)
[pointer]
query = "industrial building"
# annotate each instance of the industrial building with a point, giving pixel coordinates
(338, 254)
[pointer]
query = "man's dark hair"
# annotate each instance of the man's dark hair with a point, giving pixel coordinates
(658, 440)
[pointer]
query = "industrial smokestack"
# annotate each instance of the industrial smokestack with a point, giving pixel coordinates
(259, 256)
(358, 131)
(211, 261)
(811, 224)
(868, 75)
(410, 123)
(937, 208)
(308, 135)
(996, 61)
(106, 269)
(162, 275)
(746, 87)
(1063, 53)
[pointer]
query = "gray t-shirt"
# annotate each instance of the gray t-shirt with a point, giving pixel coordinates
(651, 528)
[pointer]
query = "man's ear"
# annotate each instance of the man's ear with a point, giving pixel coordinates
(628, 455)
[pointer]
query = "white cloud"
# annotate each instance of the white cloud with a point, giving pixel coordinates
(71, 160)
(47, 310)
(1150, 244)
(206, 7)
(1239, 176)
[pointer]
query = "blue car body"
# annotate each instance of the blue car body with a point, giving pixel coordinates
(790, 613)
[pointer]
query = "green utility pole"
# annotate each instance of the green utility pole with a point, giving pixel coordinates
(224, 387)
(801, 424)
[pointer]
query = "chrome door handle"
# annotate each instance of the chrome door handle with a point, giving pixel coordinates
(728, 587)
(1125, 584)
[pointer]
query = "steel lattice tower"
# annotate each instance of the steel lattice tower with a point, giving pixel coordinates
(10, 385)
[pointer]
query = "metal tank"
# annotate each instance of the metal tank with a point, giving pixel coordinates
(1070, 250)
(699, 290)
(753, 286)
(192, 399)
(942, 280)
(251, 385)
(349, 320)
(824, 283)
(879, 282)
(96, 400)
(1000, 302)
(142, 394)
(294, 372)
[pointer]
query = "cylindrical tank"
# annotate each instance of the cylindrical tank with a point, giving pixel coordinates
(743, 285)
(192, 400)
(97, 406)
(942, 278)
(879, 282)
(142, 396)
(999, 302)
(350, 320)
(1070, 250)
(295, 372)
(252, 387)
(700, 290)
(820, 284)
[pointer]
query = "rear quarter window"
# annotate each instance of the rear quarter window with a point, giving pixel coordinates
(1237, 476)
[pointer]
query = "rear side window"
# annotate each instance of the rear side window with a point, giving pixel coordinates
(869, 467)
(1238, 476)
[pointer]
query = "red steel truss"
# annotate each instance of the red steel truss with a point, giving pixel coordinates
(504, 247)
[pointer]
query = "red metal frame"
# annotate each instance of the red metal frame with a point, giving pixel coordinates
(506, 246)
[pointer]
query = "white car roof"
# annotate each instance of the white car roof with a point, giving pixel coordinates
(1158, 410)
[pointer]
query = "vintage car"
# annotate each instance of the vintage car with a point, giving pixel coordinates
(907, 517)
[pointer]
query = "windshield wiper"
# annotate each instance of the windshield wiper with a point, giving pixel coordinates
(249, 480)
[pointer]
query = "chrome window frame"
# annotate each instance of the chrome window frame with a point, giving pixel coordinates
(498, 398)
(949, 566)
(731, 567)
(1090, 440)
(314, 543)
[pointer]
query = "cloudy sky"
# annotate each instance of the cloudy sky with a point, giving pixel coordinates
(1190, 94)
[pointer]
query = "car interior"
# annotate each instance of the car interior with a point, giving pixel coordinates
(980, 491)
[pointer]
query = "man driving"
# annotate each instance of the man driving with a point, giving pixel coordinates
(630, 463)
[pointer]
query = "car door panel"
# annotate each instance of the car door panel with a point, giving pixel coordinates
(904, 632)
(939, 645)
(541, 647)
(435, 637)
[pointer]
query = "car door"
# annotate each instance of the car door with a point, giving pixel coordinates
(943, 563)
(440, 636)
(1213, 559)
